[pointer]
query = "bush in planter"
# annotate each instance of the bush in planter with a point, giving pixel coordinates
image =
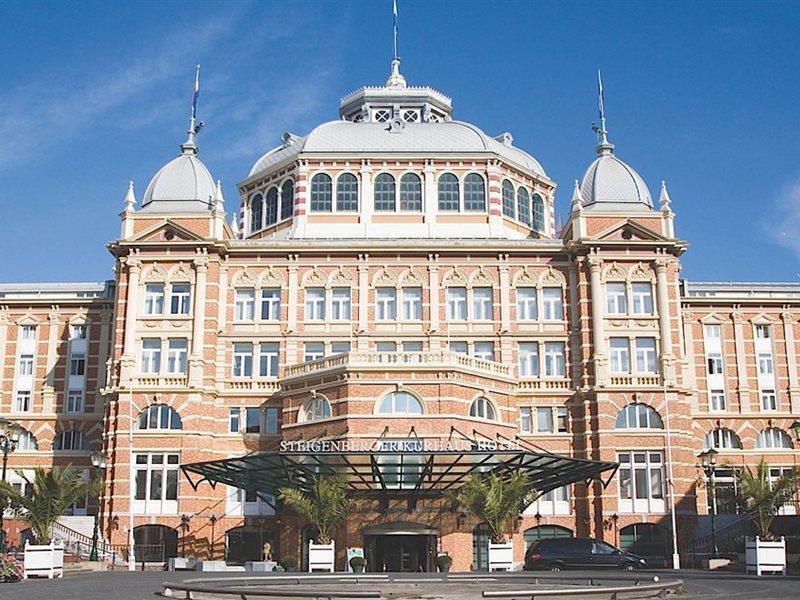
(444, 561)
(326, 507)
(358, 563)
(761, 498)
(10, 569)
(289, 563)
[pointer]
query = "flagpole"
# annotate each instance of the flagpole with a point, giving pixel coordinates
(394, 27)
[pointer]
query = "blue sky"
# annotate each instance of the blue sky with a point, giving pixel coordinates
(704, 95)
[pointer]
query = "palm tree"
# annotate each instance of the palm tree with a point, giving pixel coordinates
(761, 499)
(326, 506)
(496, 500)
(49, 494)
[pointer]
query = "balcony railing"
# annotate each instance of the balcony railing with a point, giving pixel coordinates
(634, 380)
(440, 358)
(252, 385)
(545, 384)
(169, 381)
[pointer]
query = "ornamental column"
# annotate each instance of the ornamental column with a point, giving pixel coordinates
(791, 358)
(575, 325)
(128, 358)
(689, 376)
(741, 366)
(49, 391)
(598, 326)
(433, 284)
(291, 316)
(505, 294)
(363, 297)
(198, 325)
(665, 333)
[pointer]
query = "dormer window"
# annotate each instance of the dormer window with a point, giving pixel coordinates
(382, 115)
(411, 116)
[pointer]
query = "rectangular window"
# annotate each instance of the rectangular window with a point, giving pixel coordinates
(268, 360)
(765, 366)
(525, 420)
(271, 304)
(25, 364)
(717, 400)
(713, 332)
(527, 309)
(177, 350)
(271, 420)
(340, 347)
(156, 479)
(77, 363)
(528, 359)
(22, 401)
(554, 359)
(244, 308)
(456, 304)
(27, 332)
(714, 362)
(154, 299)
(412, 346)
(616, 299)
(243, 360)
(385, 304)
(315, 304)
(482, 307)
(551, 419)
(75, 401)
(179, 299)
(562, 419)
(483, 350)
(340, 304)
(412, 303)
(641, 481)
(763, 332)
(645, 355)
(77, 332)
(642, 296)
(313, 351)
(769, 400)
(151, 356)
(459, 347)
(552, 304)
(386, 347)
(619, 355)
(234, 415)
(252, 420)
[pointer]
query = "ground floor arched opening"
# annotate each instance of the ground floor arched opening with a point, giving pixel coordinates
(400, 548)
(648, 540)
(543, 532)
(247, 543)
(154, 543)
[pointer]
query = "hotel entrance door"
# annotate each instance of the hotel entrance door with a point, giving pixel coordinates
(400, 553)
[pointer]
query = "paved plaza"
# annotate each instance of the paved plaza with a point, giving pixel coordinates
(148, 585)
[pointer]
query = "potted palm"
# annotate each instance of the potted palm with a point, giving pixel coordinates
(50, 494)
(326, 505)
(496, 500)
(761, 499)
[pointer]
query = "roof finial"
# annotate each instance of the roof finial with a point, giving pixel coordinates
(395, 78)
(130, 198)
(219, 201)
(235, 226)
(665, 201)
(190, 145)
(603, 145)
(577, 198)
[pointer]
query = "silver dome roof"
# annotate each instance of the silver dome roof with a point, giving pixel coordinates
(609, 181)
(184, 185)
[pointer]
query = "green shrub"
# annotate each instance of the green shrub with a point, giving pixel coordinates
(444, 560)
(358, 561)
(289, 563)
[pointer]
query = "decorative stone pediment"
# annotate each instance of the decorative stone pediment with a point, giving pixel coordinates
(340, 276)
(552, 277)
(384, 278)
(640, 272)
(614, 272)
(28, 319)
(629, 230)
(154, 272)
(524, 278)
(270, 278)
(481, 278)
(411, 278)
(763, 319)
(712, 319)
(455, 278)
(181, 272)
(167, 231)
(314, 278)
(244, 278)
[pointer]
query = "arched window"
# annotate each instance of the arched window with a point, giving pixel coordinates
(483, 409)
(27, 441)
(537, 213)
(159, 416)
(474, 193)
(71, 440)
(448, 192)
(523, 206)
(772, 437)
(385, 192)
(347, 193)
(638, 416)
(722, 439)
(508, 199)
(400, 403)
(271, 211)
(321, 193)
(410, 192)
(314, 409)
(287, 199)
(256, 214)
(545, 532)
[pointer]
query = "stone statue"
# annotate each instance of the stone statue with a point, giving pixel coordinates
(267, 550)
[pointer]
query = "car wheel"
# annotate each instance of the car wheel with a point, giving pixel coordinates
(556, 567)
(629, 567)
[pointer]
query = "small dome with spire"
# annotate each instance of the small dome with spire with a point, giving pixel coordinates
(609, 181)
(182, 185)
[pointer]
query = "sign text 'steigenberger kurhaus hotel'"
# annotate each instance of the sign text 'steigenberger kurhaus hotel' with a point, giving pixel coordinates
(394, 301)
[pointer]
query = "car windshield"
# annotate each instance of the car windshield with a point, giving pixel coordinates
(602, 548)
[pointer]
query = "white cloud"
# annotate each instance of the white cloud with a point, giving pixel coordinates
(786, 229)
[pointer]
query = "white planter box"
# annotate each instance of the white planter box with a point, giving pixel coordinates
(501, 556)
(215, 566)
(44, 561)
(261, 566)
(181, 563)
(764, 556)
(321, 556)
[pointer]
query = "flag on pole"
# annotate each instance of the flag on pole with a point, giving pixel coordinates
(394, 26)
(196, 93)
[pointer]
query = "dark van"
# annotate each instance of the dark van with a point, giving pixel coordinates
(557, 554)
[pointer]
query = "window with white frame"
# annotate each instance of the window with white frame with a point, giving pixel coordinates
(71, 440)
(234, 419)
(642, 298)
(713, 332)
(482, 408)
(27, 333)
(77, 363)
(314, 409)
(340, 348)
(474, 193)
(527, 309)
(268, 359)
(245, 305)
(412, 346)
(27, 441)
(449, 196)
(313, 351)
(482, 304)
(159, 416)
(456, 304)
(529, 359)
(386, 347)
(400, 403)
(242, 360)
(619, 355)
(154, 299)
(151, 356)
(315, 304)
(77, 332)
(638, 416)
(271, 420)
(74, 401)
(552, 304)
(645, 355)
(763, 332)
(483, 350)
(554, 359)
(25, 364)
(271, 304)
(248, 503)
(714, 362)
(386, 304)
(765, 366)
(177, 350)
(411, 299)
(772, 438)
(22, 401)
(156, 483)
(459, 347)
(179, 299)
(544, 419)
(641, 482)
(554, 502)
(722, 439)
(340, 304)
(252, 419)
(769, 400)
(616, 299)
(717, 401)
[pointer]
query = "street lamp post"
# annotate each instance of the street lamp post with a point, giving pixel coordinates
(9, 438)
(708, 460)
(99, 463)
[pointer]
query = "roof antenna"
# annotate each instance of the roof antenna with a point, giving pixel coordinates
(395, 79)
(603, 145)
(190, 145)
